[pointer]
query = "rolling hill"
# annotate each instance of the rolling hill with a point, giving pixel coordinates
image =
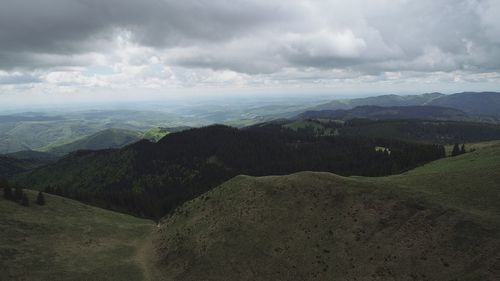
(388, 113)
(32, 155)
(411, 130)
(440, 221)
(484, 103)
(473, 103)
(10, 166)
(150, 179)
(42, 131)
(110, 138)
(67, 240)
(383, 100)
(437, 222)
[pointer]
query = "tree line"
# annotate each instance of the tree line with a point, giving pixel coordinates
(458, 150)
(16, 194)
(151, 179)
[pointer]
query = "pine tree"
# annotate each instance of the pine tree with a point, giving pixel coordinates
(462, 150)
(49, 189)
(3, 183)
(7, 192)
(442, 151)
(18, 194)
(24, 200)
(40, 199)
(456, 150)
(58, 191)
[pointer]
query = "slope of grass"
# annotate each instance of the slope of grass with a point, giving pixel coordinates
(437, 222)
(155, 134)
(468, 182)
(472, 146)
(67, 240)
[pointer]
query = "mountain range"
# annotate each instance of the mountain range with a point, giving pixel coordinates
(389, 113)
(477, 103)
(46, 131)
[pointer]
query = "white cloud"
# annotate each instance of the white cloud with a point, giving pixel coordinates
(84, 45)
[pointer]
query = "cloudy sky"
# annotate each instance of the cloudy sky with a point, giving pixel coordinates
(167, 47)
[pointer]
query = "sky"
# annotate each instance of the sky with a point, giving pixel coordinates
(58, 50)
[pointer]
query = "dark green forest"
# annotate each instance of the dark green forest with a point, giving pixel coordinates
(150, 179)
(411, 130)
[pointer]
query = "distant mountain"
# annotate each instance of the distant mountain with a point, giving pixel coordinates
(384, 100)
(477, 103)
(28, 117)
(484, 103)
(411, 130)
(110, 138)
(11, 166)
(42, 131)
(32, 155)
(387, 113)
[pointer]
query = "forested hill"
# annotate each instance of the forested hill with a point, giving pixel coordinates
(150, 179)
(389, 113)
(486, 103)
(383, 100)
(10, 166)
(477, 103)
(110, 138)
(425, 131)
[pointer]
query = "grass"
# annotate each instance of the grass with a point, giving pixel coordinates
(472, 146)
(440, 221)
(437, 222)
(67, 240)
(468, 182)
(155, 134)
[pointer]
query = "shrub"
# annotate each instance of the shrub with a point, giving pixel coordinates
(7, 192)
(24, 200)
(40, 199)
(18, 194)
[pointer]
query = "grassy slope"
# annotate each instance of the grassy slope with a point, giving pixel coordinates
(155, 134)
(469, 182)
(67, 240)
(437, 222)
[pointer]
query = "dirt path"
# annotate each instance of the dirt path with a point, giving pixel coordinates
(145, 256)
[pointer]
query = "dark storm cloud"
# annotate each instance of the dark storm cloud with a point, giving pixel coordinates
(258, 36)
(72, 26)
